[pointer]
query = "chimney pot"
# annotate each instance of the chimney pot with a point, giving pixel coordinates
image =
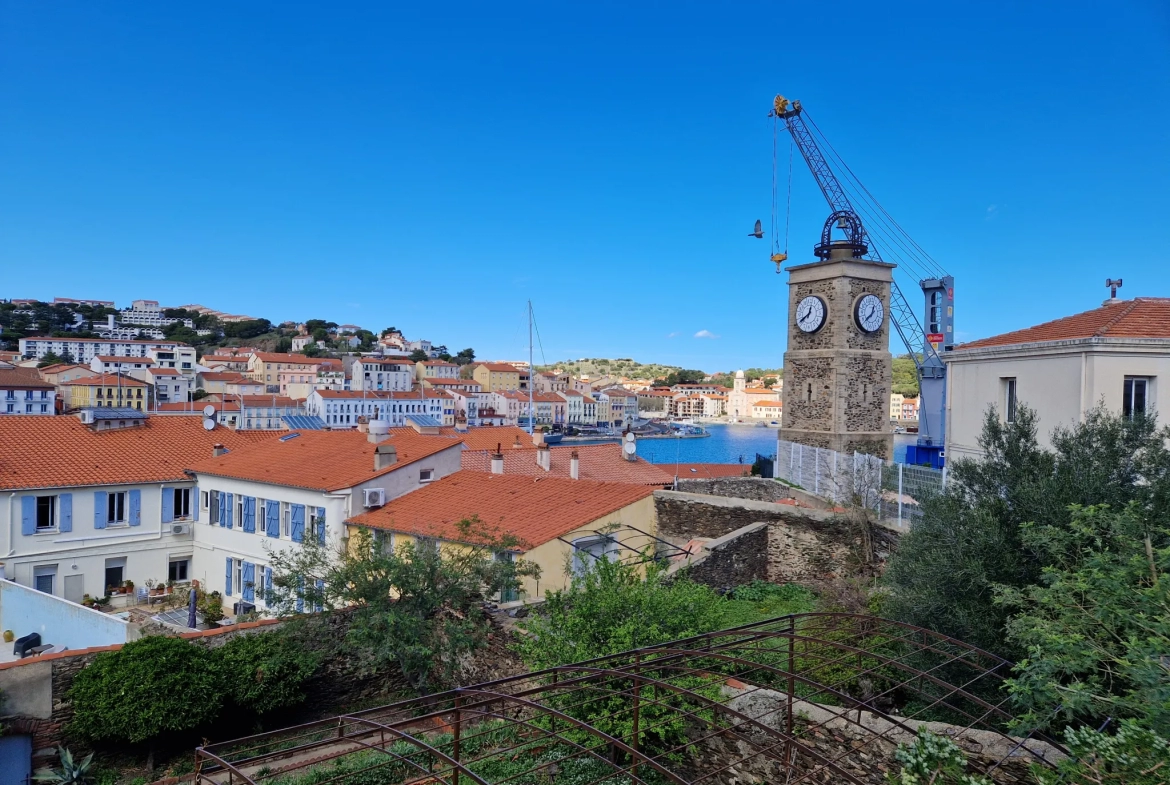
(497, 461)
(385, 456)
(217, 450)
(544, 457)
(575, 465)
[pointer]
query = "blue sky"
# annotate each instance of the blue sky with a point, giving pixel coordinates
(433, 166)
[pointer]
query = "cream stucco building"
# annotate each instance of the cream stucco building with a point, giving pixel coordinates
(1117, 355)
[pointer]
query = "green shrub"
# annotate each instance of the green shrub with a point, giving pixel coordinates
(148, 688)
(263, 672)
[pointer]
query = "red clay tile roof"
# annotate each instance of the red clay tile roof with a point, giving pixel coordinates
(320, 460)
(709, 471)
(282, 357)
(104, 380)
(50, 452)
(226, 376)
(1142, 317)
(486, 438)
(195, 407)
(109, 358)
(599, 462)
(500, 367)
(535, 510)
(23, 378)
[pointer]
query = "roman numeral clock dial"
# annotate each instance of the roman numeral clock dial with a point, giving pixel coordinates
(810, 314)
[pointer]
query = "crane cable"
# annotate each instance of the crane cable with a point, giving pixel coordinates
(788, 208)
(775, 236)
(788, 203)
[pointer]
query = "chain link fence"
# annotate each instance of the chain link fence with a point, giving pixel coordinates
(892, 490)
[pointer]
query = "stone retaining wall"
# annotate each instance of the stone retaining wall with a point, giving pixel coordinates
(738, 558)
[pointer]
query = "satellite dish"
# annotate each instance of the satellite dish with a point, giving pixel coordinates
(628, 448)
(208, 424)
(208, 411)
(629, 437)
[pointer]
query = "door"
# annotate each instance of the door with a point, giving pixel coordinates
(15, 760)
(74, 587)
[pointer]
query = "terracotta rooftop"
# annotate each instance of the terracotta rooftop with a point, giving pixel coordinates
(282, 357)
(500, 367)
(535, 510)
(195, 407)
(110, 358)
(599, 462)
(104, 380)
(320, 460)
(710, 471)
(226, 376)
(49, 452)
(1142, 317)
(488, 437)
(24, 378)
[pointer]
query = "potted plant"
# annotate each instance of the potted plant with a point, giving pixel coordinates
(211, 607)
(127, 586)
(149, 583)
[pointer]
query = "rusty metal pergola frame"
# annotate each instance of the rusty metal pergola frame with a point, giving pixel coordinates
(818, 697)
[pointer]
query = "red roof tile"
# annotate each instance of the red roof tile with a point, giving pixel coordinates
(320, 460)
(282, 357)
(1142, 317)
(22, 378)
(599, 462)
(109, 358)
(500, 367)
(486, 438)
(48, 452)
(709, 471)
(535, 510)
(104, 380)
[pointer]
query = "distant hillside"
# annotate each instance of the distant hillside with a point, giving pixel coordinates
(622, 366)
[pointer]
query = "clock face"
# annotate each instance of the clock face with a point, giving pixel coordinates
(869, 313)
(810, 314)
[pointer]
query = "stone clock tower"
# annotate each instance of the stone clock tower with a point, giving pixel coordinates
(838, 367)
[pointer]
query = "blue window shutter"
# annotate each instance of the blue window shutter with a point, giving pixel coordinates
(168, 505)
(28, 515)
(300, 594)
(196, 499)
(100, 512)
(298, 523)
(222, 499)
(230, 507)
(227, 583)
(249, 521)
(267, 583)
(65, 505)
(321, 525)
(273, 518)
(135, 507)
(248, 590)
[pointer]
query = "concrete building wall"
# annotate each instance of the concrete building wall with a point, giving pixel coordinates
(59, 622)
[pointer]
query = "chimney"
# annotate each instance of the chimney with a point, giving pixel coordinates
(575, 465)
(1113, 286)
(363, 425)
(385, 456)
(538, 438)
(218, 450)
(377, 431)
(497, 461)
(544, 457)
(516, 445)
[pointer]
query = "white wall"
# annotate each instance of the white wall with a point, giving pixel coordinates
(147, 547)
(60, 623)
(1060, 380)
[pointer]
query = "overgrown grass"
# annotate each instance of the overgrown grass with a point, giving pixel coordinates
(760, 600)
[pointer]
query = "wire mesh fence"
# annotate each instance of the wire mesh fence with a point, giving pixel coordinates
(893, 491)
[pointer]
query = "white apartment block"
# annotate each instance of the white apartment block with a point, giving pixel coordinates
(83, 350)
(22, 392)
(342, 408)
(382, 374)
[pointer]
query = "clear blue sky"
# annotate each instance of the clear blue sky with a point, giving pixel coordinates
(432, 166)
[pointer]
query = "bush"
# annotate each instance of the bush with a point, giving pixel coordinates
(150, 687)
(263, 672)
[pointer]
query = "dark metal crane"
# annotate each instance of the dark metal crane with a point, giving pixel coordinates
(938, 288)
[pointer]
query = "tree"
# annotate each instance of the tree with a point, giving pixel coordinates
(905, 380)
(150, 688)
(48, 358)
(1096, 628)
(388, 331)
(263, 672)
(251, 328)
(465, 357)
(312, 325)
(418, 356)
(934, 760)
(682, 376)
(945, 571)
(1133, 756)
(417, 606)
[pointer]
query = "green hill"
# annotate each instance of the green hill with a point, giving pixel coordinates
(621, 366)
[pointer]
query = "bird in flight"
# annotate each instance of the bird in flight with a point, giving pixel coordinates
(758, 232)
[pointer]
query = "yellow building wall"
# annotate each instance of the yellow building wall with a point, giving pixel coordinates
(553, 557)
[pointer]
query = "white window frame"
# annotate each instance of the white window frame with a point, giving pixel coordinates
(238, 520)
(180, 501)
(54, 511)
(426, 475)
(1128, 400)
(179, 560)
(114, 501)
(1011, 397)
(286, 520)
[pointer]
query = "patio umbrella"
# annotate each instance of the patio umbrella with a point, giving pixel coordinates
(191, 620)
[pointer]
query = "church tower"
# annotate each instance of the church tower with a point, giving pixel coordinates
(838, 369)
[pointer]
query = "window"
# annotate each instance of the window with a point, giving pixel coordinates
(213, 517)
(44, 578)
(1009, 402)
(116, 507)
(1135, 396)
(426, 475)
(382, 542)
(238, 520)
(46, 512)
(206, 500)
(285, 519)
(115, 572)
(44, 408)
(182, 505)
(238, 576)
(177, 569)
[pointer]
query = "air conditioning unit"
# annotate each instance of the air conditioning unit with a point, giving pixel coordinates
(86, 416)
(180, 528)
(373, 497)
